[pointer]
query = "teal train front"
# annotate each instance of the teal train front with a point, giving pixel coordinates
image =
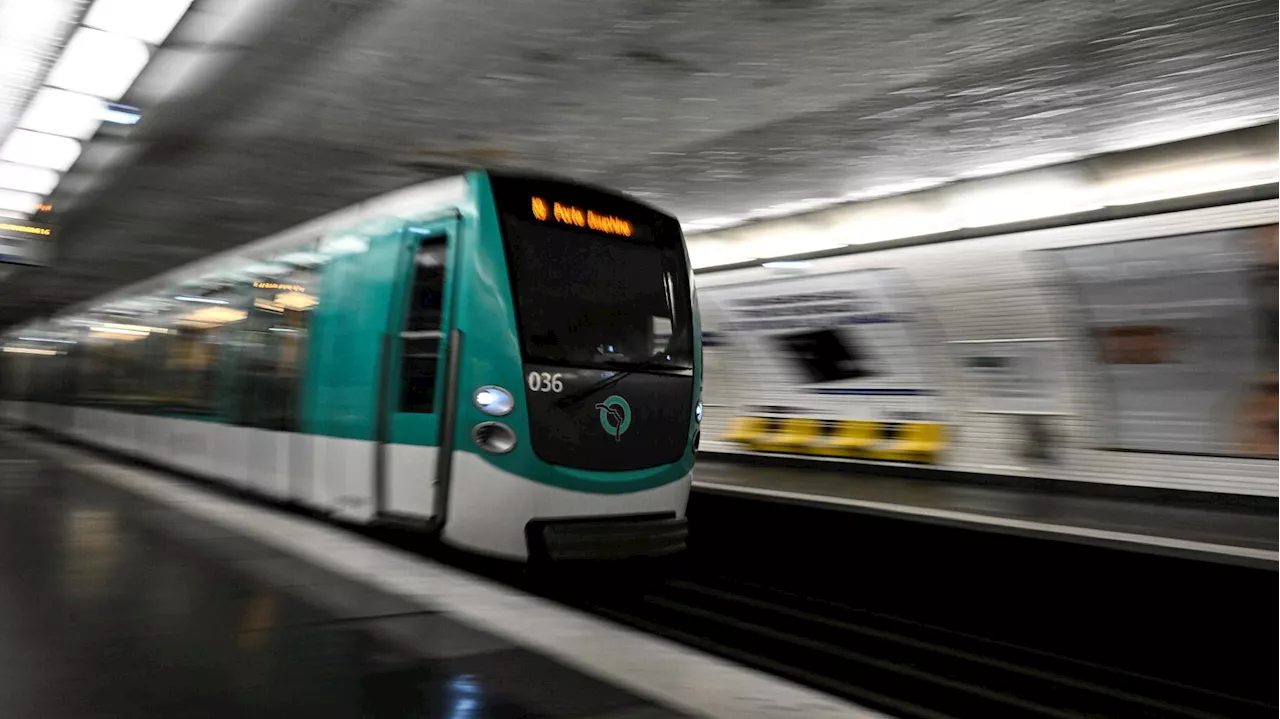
(511, 361)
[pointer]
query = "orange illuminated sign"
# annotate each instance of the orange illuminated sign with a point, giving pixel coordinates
(45, 208)
(278, 286)
(578, 217)
(26, 229)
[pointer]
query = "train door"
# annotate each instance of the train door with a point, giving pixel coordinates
(414, 377)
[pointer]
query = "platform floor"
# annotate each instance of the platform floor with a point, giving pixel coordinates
(127, 593)
(1236, 535)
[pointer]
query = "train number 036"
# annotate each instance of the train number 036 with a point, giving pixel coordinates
(545, 382)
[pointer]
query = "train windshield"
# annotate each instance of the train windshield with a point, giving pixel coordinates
(609, 293)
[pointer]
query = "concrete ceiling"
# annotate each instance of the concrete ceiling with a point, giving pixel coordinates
(708, 108)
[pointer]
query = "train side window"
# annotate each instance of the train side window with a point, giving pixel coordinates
(273, 348)
(421, 338)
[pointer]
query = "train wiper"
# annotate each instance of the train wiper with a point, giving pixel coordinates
(631, 368)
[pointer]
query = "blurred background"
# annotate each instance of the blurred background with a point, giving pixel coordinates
(1018, 244)
(145, 135)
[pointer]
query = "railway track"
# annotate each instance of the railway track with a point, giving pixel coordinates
(901, 667)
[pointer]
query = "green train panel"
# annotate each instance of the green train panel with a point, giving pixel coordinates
(513, 362)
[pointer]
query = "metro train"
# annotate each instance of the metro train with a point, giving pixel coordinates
(1138, 351)
(512, 362)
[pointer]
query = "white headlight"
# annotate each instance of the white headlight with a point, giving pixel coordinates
(494, 400)
(697, 411)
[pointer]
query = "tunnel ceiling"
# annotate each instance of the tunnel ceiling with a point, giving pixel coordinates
(707, 108)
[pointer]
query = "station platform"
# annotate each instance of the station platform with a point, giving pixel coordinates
(1244, 533)
(126, 592)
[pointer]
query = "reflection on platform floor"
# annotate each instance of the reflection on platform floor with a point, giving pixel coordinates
(1213, 526)
(111, 605)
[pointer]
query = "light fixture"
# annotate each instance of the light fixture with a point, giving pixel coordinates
(297, 301)
(148, 21)
(36, 148)
(62, 112)
(216, 316)
(697, 410)
(99, 63)
(709, 252)
(129, 329)
(494, 437)
(119, 333)
(204, 300)
(494, 400)
(23, 203)
(47, 339)
(345, 245)
(25, 178)
(29, 351)
(121, 114)
(710, 223)
(1171, 183)
(1020, 197)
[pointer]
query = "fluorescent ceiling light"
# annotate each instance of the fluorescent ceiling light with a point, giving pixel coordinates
(14, 215)
(876, 192)
(1018, 198)
(149, 20)
(31, 33)
(29, 351)
(120, 330)
(1189, 181)
(299, 301)
(36, 148)
(22, 202)
(99, 63)
(61, 112)
(121, 114)
(48, 339)
(713, 253)
(710, 223)
(36, 180)
(206, 300)
(114, 327)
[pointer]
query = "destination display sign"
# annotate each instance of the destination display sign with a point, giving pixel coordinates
(546, 210)
(23, 242)
(559, 205)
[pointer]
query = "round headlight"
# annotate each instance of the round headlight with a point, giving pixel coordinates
(494, 437)
(697, 411)
(494, 400)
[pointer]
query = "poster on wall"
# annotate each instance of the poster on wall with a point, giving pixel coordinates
(1184, 331)
(836, 346)
(1014, 376)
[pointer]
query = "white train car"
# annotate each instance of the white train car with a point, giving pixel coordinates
(1136, 351)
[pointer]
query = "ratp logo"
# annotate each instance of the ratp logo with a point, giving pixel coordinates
(615, 416)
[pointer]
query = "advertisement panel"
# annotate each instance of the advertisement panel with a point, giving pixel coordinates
(1014, 376)
(1184, 332)
(836, 346)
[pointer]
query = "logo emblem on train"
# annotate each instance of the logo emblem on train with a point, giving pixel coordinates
(615, 416)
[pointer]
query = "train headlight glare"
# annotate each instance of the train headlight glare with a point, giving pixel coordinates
(494, 400)
(697, 411)
(494, 437)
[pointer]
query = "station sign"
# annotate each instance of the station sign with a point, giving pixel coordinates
(23, 242)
